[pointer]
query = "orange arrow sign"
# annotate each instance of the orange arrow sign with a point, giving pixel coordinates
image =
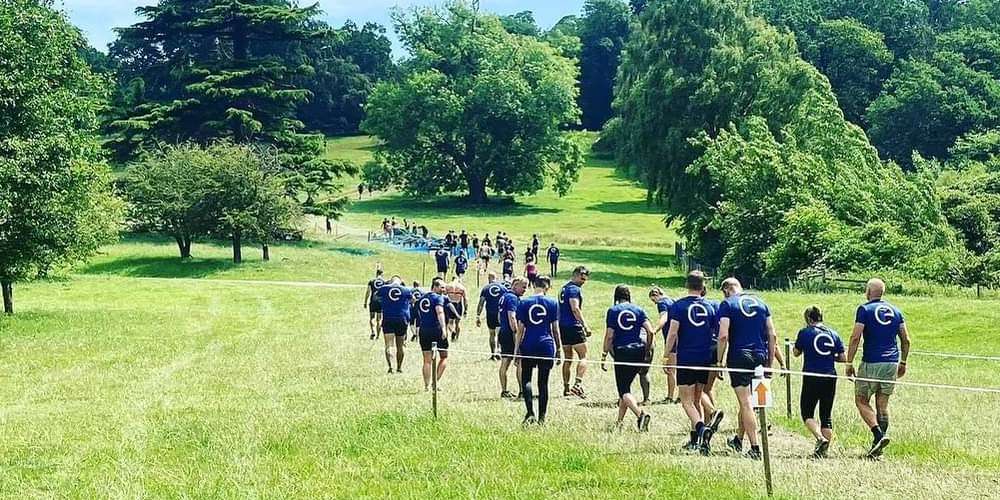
(761, 394)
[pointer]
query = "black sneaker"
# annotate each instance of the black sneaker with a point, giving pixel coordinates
(690, 446)
(506, 395)
(706, 442)
(716, 420)
(735, 444)
(754, 454)
(371, 337)
(878, 447)
(566, 392)
(642, 423)
(529, 420)
(822, 445)
(391, 371)
(399, 370)
(577, 390)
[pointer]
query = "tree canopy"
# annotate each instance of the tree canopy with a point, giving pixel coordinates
(491, 108)
(56, 203)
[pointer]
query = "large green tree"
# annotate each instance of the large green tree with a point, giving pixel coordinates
(56, 204)
(856, 61)
(221, 69)
(478, 108)
(603, 30)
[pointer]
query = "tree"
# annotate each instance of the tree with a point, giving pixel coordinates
(603, 30)
(220, 69)
(856, 61)
(56, 203)
(523, 23)
(565, 37)
(492, 107)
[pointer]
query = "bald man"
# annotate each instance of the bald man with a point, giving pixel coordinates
(489, 299)
(883, 358)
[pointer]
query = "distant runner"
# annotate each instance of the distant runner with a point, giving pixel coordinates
(415, 316)
(508, 333)
(396, 299)
(553, 259)
(574, 330)
(432, 328)
(537, 337)
(441, 258)
(534, 246)
(456, 294)
(821, 347)
(879, 323)
(489, 299)
(463, 243)
(461, 265)
(508, 267)
(623, 338)
(373, 304)
(691, 319)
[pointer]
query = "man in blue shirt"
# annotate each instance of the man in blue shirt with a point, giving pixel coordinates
(441, 258)
(414, 315)
(663, 305)
(373, 304)
(538, 341)
(489, 299)
(574, 330)
(744, 322)
(507, 335)
(690, 332)
(553, 259)
(879, 323)
(432, 330)
(461, 265)
(396, 300)
(821, 348)
(628, 337)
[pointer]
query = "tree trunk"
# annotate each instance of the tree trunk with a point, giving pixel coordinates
(8, 296)
(267, 251)
(477, 190)
(184, 245)
(237, 247)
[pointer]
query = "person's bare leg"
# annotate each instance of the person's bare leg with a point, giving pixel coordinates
(400, 340)
(426, 370)
(567, 367)
(389, 343)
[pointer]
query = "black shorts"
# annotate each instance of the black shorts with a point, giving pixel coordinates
(428, 337)
(492, 321)
(691, 377)
(394, 326)
(744, 360)
(625, 374)
(442, 269)
(415, 320)
(818, 391)
(572, 335)
(375, 307)
(460, 271)
(506, 340)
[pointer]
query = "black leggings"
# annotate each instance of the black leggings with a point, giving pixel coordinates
(818, 391)
(544, 367)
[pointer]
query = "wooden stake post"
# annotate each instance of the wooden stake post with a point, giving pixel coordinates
(788, 378)
(434, 378)
(762, 400)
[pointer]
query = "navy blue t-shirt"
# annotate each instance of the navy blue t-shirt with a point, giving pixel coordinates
(882, 322)
(508, 303)
(663, 306)
(374, 285)
(748, 316)
(820, 347)
(427, 310)
(508, 266)
(695, 317)
(461, 264)
(396, 301)
(569, 291)
(626, 320)
(553, 254)
(537, 313)
(491, 296)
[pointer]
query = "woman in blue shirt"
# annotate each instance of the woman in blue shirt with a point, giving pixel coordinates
(624, 339)
(821, 347)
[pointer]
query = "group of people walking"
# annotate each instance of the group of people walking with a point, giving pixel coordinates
(702, 340)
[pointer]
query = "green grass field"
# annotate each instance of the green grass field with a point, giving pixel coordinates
(138, 375)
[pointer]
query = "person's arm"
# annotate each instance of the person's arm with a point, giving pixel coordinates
(557, 335)
(650, 335)
(664, 319)
(368, 294)
(723, 341)
(904, 349)
(609, 337)
(439, 311)
(518, 336)
(512, 319)
(574, 307)
(852, 348)
(841, 358)
(465, 302)
(672, 334)
(479, 311)
(772, 345)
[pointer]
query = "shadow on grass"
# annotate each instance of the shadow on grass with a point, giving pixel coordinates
(617, 257)
(160, 267)
(444, 207)
(626, 207)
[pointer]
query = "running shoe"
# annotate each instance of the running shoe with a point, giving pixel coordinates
(735, 444)
(371, 337)
(690, 446)
(822, 445)
(754, 454)
(506, 395)
(566, 392)
(577, 391)
(529, 420)
(706, 442)
(716, 420)
(878, 447)
(391, 371)
(642, 423)
(399, 370)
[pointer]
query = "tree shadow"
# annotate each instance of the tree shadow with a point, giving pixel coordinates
(626, 207)
(618, 257)
(160, 267)
(444, 207)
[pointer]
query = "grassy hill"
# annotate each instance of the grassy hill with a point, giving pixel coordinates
(141, 375)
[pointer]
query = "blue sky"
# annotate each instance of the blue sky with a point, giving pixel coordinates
(97, 18)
